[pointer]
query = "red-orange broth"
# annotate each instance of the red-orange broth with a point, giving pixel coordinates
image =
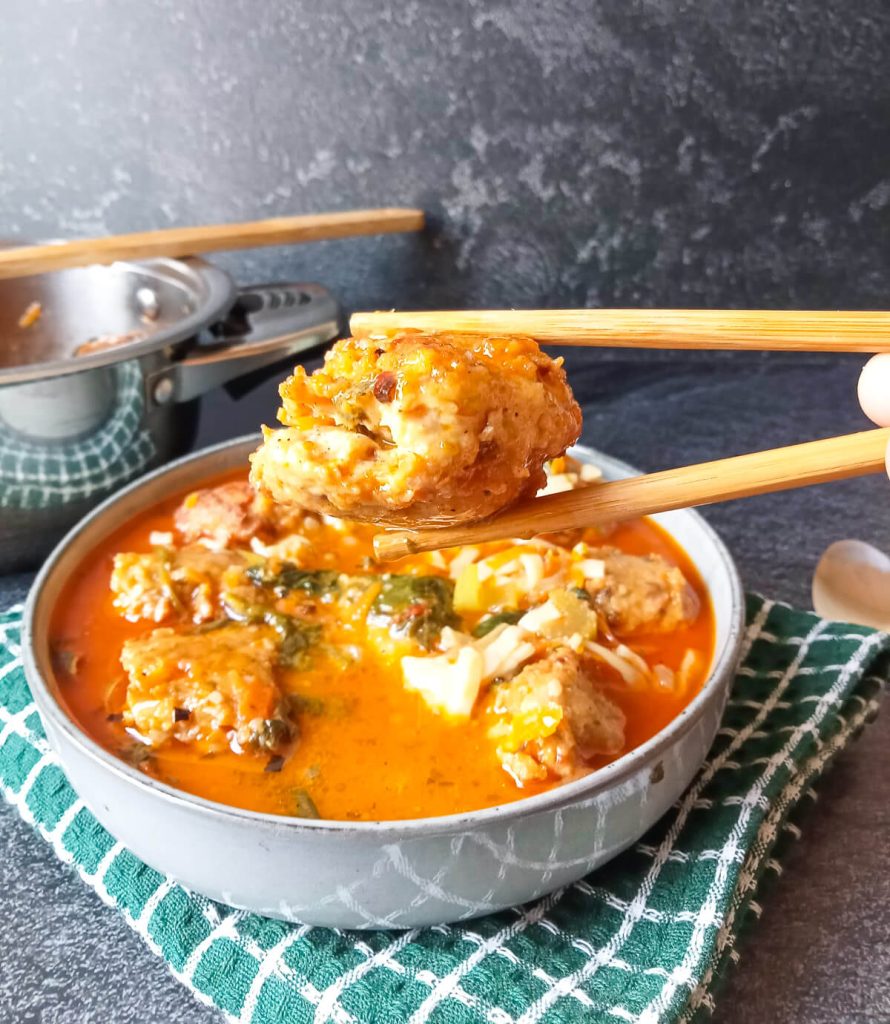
(391, 756)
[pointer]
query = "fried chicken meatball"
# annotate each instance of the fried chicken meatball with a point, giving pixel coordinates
(642, 593)
(551, 717)
(181, 584)
(418, 429)
(231, 514)
(214, 689)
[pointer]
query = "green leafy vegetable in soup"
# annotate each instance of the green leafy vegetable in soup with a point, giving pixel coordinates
(416, 606)
(304, 805)
(510, 616)
(317, 582)
(263, 657)
(296, 635)
(271, 733)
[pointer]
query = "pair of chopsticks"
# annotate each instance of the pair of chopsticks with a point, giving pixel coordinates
(815, 462)
(745, 475)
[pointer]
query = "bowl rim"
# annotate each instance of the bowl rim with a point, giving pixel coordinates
(607, 777)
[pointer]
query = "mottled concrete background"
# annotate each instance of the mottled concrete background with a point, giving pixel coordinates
(654, 152)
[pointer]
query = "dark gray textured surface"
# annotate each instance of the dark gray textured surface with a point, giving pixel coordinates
(649, 153)
(820, 954)
(658, 152)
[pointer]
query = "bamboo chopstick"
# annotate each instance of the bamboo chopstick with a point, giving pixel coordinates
(755, 329)
(38, 259)
(778, 469)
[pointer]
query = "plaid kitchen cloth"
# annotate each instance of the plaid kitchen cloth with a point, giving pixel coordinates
(645, 939)
(42, 474)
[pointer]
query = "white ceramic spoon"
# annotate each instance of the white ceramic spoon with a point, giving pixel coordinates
(852, 584)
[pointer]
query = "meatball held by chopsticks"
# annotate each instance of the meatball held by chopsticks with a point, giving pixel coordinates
(417, 429)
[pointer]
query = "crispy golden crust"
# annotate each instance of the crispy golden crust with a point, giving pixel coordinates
(418, 428)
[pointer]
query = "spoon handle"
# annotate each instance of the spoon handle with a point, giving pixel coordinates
(777, 469)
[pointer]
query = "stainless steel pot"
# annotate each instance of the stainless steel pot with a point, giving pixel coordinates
(74, 428)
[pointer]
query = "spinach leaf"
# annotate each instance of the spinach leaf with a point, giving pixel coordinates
(510, 615)
(304, 805)
(417, 606)
(272, 734)
(296, 639)
(296, 635)
(317, 582)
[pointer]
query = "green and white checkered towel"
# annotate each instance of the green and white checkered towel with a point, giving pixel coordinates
(44, 474)
(645, 939)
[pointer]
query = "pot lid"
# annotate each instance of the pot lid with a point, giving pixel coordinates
(123, 310)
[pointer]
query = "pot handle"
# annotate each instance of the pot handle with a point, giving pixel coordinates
(267, 323)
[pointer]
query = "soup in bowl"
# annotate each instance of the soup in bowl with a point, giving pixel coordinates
(254, 705)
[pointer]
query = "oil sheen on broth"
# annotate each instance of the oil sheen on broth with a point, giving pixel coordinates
(264, 660)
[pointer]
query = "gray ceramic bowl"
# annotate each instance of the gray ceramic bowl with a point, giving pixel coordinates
(390, 874)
